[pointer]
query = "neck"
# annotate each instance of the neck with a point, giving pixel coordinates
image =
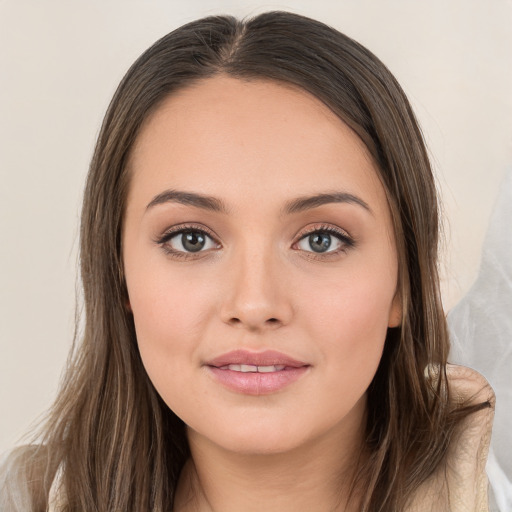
(317, 476)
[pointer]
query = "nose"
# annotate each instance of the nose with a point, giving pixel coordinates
(257, 296)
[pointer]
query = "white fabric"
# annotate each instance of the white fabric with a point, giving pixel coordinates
(14, 489)
(481, 334)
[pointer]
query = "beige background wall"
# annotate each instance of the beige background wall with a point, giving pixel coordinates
(60, 62)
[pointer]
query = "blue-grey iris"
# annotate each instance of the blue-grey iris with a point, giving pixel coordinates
(320, 242)
(193, 241)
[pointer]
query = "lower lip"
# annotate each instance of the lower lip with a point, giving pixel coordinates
(254, 383)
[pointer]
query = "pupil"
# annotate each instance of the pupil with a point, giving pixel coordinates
(193, 241)
(320, 242)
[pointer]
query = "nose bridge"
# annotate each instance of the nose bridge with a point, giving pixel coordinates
(255, 297)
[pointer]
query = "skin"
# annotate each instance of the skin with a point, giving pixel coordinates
(258, 284)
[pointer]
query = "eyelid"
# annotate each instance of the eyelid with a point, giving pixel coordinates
(326, 228)
(187, 226)
(173, 231)
(343, 236)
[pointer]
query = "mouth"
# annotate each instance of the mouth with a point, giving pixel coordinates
(249, 368)
(251, 361)
(256, 373)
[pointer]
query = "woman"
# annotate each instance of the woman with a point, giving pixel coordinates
(263, 323)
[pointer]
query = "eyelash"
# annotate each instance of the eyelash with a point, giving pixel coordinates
(178, 230)
(347, 242)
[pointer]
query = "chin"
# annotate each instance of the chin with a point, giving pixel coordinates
(256, 438)
(259, 443)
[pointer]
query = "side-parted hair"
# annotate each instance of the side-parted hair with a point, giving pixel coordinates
(119, 445)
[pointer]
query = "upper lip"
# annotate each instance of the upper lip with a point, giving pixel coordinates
(266, 358)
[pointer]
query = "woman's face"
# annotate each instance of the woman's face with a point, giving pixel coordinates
(260, 264)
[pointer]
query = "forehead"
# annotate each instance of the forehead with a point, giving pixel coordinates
(228, 137)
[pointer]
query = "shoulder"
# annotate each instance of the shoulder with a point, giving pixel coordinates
(461, 484)
(24, 482)
(468, 453)
(469, 387)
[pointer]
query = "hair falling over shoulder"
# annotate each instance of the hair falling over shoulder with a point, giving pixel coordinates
(119, 445)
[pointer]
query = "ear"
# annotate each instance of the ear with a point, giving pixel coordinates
(395, 313)
(126, 300)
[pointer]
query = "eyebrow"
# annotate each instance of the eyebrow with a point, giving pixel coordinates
(189, 198)
(308, 202)
(295, 206)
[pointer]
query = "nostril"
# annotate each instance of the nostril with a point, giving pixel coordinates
(269, 322)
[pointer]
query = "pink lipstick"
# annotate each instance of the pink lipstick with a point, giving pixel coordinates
(256, 373)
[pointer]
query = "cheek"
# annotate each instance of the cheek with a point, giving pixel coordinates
(168, 335)
(359, 299)
(349, 320)
(169, 314)
(165, 314)
(166, 303)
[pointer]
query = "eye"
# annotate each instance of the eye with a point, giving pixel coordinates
(325, 240)
(187, 241)
(191, 241)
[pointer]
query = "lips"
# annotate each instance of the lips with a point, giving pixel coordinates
(256, 373)
(245, 357)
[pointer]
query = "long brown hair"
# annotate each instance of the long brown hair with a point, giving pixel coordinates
(120, 446)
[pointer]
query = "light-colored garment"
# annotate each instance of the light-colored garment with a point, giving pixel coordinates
(57, 496)
(481, 336)
(461, 486)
